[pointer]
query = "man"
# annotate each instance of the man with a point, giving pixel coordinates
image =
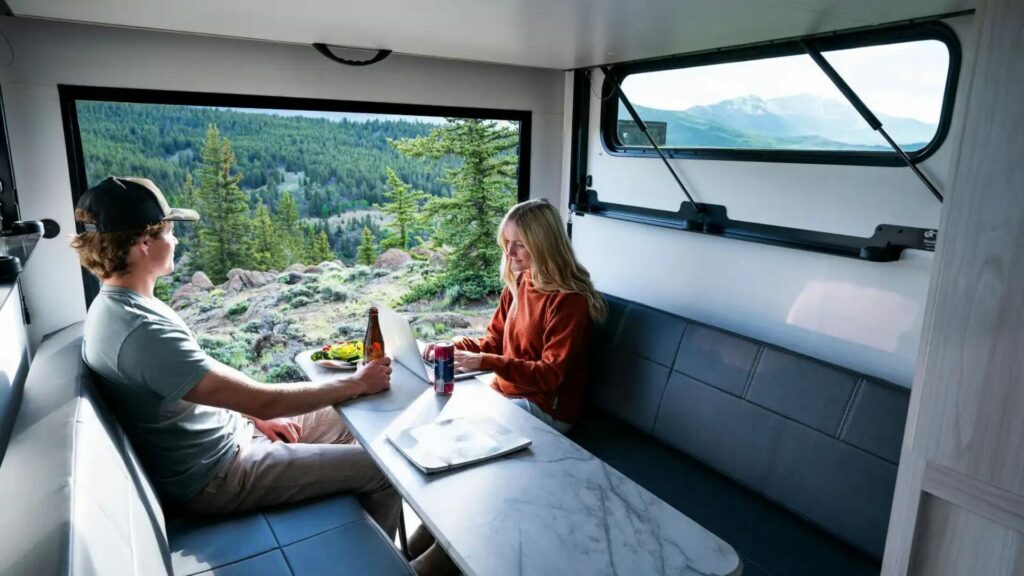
(212, 439)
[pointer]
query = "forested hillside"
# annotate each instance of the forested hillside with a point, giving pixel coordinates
(342, 163)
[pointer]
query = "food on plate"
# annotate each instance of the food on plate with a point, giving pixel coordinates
(345, 350)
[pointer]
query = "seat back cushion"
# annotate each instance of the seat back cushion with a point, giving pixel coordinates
(818, 439)
(73, 496)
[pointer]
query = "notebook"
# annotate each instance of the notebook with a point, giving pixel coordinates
(449, 443)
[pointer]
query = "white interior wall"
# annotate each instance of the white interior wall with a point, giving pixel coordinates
(862, 315)
(39, 55)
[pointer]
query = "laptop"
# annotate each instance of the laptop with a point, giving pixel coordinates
(400, 343)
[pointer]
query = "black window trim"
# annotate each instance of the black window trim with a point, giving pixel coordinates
(69, 95)
(931, 30)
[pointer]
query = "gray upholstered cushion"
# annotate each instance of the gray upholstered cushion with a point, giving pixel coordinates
(820, 440)
(74, 499)
(329, 536)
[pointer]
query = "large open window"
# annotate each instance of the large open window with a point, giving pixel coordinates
(773, 103)
(311, 210)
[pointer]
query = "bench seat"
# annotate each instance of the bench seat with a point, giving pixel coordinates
(74, 499)
(790, 459)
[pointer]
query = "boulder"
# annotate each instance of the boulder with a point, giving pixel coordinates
(421, 253)
(201, 281)
(246, 280)
(313, 269)
(186, 291)
(297, 267)
(392, 259)
(437, 259)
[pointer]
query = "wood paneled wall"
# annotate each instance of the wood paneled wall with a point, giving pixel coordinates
(959, 504)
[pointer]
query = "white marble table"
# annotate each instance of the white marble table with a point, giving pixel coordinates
(551, 509)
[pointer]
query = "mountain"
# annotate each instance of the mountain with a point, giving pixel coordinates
(801, 121)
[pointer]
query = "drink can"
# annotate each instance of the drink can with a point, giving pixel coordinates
(444, 367)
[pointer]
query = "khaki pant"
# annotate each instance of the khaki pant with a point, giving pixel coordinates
(325, 460)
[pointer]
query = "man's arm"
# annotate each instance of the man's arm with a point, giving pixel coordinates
(226, 387)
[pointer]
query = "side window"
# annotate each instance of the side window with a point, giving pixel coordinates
(776, 104)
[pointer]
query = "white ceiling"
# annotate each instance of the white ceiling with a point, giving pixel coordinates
(559, 34)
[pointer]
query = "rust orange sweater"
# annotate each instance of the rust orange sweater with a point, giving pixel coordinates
(537, 348)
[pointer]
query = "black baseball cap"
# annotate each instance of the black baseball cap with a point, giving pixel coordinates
(127, 203)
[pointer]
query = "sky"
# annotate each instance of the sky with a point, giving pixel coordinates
(905, 80)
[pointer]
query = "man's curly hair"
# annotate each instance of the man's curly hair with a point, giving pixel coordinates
(105, 254)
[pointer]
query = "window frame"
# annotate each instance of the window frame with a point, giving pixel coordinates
(789, 47)
(70, 95)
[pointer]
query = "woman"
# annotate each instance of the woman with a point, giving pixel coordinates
(537, 340)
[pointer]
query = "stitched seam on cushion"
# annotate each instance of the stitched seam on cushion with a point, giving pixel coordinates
(668, 378)
(318, 533)
(784, 417)
(850, 406)
(753, 370)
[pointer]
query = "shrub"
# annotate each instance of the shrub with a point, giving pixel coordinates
(330, 293)
(300, 301)
(252, 327)
(239, 307)
(285, 372)
(217, 293)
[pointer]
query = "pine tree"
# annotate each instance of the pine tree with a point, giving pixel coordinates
(367, 252)
(483, 191)
(188, 235)
(320, 250)
(267, 250)
(224, 229)
(289, 230)
(403, 206)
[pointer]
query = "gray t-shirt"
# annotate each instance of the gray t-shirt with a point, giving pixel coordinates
(147, 359)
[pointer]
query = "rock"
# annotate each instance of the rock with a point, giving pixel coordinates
(281, 328)
(246, 280)
(447, 318)
(437, 259)
(392, 259)
(266, 341)
(421, 253)
(298, 267)
(201, 281)
(313, 269)
(186, 291)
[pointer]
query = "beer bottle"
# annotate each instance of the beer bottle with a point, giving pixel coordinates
(373, 342)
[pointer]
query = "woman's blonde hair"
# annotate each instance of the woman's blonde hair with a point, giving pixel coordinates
(554, 267)
(105, 254)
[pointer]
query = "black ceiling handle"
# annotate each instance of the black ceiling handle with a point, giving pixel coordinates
(326, 51)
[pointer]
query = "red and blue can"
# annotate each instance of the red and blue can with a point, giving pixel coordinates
(444, 367)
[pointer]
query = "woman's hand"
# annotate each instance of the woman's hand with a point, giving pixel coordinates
(279, 429)
(467, 361)
(428, 352)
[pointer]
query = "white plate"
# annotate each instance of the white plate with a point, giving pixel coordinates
(337, 364)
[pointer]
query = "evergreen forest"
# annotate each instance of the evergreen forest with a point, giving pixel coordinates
(276, 190)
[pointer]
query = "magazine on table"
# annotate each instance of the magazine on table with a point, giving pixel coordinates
(454, 442)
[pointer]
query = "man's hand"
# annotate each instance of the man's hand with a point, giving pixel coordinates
(279, 429)
(374, 377)
(467, 361)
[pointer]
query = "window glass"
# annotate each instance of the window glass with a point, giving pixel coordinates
(787, 103)
(309, 216)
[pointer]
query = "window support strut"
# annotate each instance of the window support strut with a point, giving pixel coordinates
(865, 112)
(643, 128)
